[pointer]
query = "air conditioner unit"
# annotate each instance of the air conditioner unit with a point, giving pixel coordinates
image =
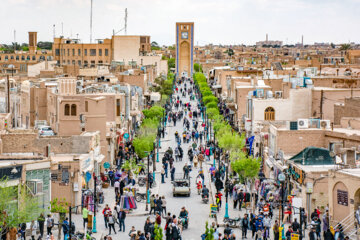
(303, 123)
(325, 124)
(35, 186)
(278, 94)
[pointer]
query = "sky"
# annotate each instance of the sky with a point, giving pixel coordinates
(216, 21)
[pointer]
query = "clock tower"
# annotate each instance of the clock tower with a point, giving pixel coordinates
(184, 49)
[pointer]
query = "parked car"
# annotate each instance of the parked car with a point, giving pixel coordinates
(181, 187)
(46, 131)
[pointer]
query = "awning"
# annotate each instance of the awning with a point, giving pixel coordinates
(99, 158)
(156, 97)
(232, 106)
(269, 163)
(217, 86)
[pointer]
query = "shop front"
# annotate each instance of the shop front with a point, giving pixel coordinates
(344, 194)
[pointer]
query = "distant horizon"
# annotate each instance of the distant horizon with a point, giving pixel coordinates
(230, 22)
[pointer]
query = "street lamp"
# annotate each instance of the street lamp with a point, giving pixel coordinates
(94, 223)
(147, 183)
(281, 178)
(227, 186)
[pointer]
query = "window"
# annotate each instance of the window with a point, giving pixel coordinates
(17, 58)
(92, 52)
(86, 106)
(79, 52)
(85, 52)
(79, 62)
(85, 63)
(22, 58)
(73, 52)
(28, 58)
(73, 62)
(117, 107)
(12, 57)
(6, 58)
(57, 52)
(73, 110)
(68, 52)
(100, 52)
(33, 58)
(106, 52)
(67, 110)
(269, 114)
(68, 62)
(92, 64)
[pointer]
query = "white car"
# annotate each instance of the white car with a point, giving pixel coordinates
(46, 131)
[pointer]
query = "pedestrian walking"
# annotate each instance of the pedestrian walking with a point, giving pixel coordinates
(172, 173)
(49, 224)
(152, 204)
(163, 174)
(41, 221)
(163, 204)
(121, 218)
(105, 212)
(33, 229)
(244, 225)
(111, 220)
(66, 228)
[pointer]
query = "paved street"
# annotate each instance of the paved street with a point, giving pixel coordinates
(198, 211)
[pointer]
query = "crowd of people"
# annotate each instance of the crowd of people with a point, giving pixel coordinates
(258, 219)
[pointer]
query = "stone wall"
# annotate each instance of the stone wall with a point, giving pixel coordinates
(30, 142)
(289, 141)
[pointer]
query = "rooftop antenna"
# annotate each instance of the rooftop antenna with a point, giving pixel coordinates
(91, 8)
(15, 40)
(302, 40)
(54, 31)
(125, 21)
(125, 27)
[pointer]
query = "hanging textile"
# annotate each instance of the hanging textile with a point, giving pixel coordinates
(128, 201)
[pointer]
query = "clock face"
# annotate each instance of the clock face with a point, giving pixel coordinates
(184, 35)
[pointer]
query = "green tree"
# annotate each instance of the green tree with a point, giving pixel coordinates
(207, 93)
(345, 47)
(212, 112)
(210, 99)
(198, 67)
(155, 46)
(171, 63)
(230, 52)
(45, 45)
(154, 112)
(209, 232)
(143, 145)
(17, 205)
(211, 105)
(158, 232)
(60, 206)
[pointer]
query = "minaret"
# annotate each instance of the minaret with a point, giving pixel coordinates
(267, 39)
(302, 40)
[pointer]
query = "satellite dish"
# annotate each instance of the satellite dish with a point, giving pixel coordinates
(332, 154)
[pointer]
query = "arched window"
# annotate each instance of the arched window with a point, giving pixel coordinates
(67, 110)
(73, 110)
(269, 114)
